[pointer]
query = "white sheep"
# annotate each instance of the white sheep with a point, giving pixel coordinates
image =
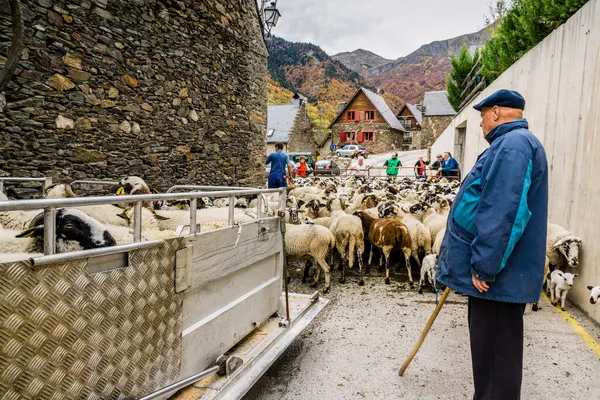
(349, 236)
(428, 272)
(559, 283)
(310, 242)
(595, 294)
(324, 221)
(562, 248)
(438, 241)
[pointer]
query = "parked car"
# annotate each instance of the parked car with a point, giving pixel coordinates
(352, 150)
(326, 167)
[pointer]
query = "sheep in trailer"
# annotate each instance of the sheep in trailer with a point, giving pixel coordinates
(134, 185)
(428, 272)
(310, 242)
(15, 220)
(349, 236)
(594, 294)
(560, 283)
(387, 234)
(74, 231)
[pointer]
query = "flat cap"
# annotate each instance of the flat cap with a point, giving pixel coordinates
(502, 98)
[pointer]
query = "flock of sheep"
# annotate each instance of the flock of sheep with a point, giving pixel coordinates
(405, 216)
(349, 214)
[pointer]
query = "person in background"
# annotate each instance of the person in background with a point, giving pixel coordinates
(420, 168)
(303, 168)
(449, 165)
(437, 164)
(393, 165)
(280, 165)
(494, 249)
(359, 167)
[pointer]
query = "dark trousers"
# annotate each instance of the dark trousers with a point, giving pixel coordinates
(496, 333)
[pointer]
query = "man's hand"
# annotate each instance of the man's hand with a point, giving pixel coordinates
(482, 286)
(439, 170)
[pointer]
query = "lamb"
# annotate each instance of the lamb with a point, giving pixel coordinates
(349, 235)
(310, 242)
(387, 233)
(595, 294)
(559, 283)
(74, 231)
(428, 272)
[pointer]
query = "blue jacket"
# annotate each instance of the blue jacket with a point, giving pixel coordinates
(496, 228)
(450, 167)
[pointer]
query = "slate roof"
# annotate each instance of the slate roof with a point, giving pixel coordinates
(280, 120)
(415, 112)
(436, 104)
(381, 106)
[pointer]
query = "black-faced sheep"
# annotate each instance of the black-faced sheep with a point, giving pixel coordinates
(74, 231)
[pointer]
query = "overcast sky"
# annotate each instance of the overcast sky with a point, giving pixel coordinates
(390, 28)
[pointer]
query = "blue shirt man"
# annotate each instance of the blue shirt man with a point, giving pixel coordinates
(449, 165)
(495, 243)
(280, 164)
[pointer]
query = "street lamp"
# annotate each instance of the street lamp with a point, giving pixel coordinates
(270, 15)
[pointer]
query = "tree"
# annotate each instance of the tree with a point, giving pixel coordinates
(520, 28)
(461, 66)
(497, 9)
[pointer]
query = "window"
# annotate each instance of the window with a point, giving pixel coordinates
(370, 115)
(351, 136)
(271, 132)
(351, 116)
(343, 137)
(407, 123)
(369, 136)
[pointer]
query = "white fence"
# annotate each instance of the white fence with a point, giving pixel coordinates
(560, 79)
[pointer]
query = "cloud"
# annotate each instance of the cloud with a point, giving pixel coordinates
(390, 28)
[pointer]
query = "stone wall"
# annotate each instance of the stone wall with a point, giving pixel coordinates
(384, 138)
(174, 92)
(302, 138)
(432, 128)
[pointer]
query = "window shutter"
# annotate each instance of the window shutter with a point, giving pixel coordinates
(342, 137)
(358, 115)
(360, 137)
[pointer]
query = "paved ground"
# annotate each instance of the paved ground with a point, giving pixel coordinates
(354, 348)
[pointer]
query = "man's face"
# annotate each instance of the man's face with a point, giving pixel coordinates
(440, 159)
(360, 161)
(446, 156)
(489, 118)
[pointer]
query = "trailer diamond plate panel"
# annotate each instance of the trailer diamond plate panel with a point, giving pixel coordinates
(66, 334)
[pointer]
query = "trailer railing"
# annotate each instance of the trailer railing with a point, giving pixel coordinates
(51, 205)
(46, 181)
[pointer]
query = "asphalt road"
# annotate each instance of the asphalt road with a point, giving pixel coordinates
(355, 346)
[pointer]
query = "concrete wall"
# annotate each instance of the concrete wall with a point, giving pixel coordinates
(560, 79)
(172, 91)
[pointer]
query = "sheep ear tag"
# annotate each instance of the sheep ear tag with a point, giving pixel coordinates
(32, 232)
(120, 191)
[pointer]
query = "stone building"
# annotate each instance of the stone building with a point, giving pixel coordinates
(411, 118)
(437, 115)
(367, 120)
(289, 124)
(174, 92)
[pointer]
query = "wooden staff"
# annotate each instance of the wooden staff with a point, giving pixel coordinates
(430, 322)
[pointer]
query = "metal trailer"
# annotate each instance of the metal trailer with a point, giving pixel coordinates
(138, 320)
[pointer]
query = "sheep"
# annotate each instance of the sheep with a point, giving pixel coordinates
(324, 221)
(310, 241)
(419, 233)
(559, 283)
(315, 209)
(175, 218)
(363, 202)
(15, 220)
(595, 294)
(562, 248)
(428, 272)
(387, 233)
(431, 219)
(74, 231)
(438, 241)
(349, 235)
(134, 185)
(59, 191)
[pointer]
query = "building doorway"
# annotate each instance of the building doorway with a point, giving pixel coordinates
(460, 138)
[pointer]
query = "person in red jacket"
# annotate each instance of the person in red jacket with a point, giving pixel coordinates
(302, 167)
(420, 167)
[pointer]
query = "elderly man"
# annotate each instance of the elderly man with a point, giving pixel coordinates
(449, 165)
(495, 243)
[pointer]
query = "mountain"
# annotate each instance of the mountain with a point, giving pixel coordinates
(423, 70)
(360, 60)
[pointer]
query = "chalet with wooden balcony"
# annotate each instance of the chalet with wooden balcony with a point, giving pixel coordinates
(367, 120)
